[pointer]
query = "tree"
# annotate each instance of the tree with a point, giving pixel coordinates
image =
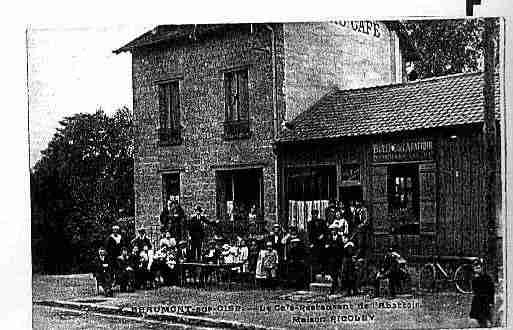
(446, 46)
(79, 188)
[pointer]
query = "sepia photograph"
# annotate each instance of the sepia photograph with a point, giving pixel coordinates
(341, 174)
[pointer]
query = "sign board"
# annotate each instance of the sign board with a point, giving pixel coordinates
(366, 27)
(410, 150)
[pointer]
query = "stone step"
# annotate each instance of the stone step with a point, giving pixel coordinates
(320, 287)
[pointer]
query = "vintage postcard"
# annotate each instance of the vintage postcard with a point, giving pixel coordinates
(324, 174)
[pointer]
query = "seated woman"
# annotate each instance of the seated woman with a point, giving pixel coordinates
(167, 239)
(267, 266)
(139, 261)
(212, 254)
(103, 272)
(126, 274)
(158, 263)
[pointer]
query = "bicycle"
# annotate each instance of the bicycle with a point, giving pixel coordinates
(433, 272)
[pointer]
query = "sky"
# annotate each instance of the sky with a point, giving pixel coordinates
(73, 70)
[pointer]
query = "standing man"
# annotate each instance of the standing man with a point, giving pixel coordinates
(334, 249)
(165, 217)
(330, 212)
(484, 296)
(196, 232)
(276, 237)
(317, 234)
(362, 228)
(142, 241)
(177, 217)
(114, 243)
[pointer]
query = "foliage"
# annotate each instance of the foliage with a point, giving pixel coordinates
(80, 186)
(447, 46)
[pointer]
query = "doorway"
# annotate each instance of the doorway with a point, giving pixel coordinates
(350, 194)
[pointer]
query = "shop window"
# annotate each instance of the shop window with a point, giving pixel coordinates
(237, 191)
(236, 124)
(170, 187)
(403, 198)
(169, 113)
(309, 188)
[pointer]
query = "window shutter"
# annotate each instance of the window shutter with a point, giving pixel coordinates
(175, 105)
(220, 196)
(381, 223)
(162, 107)
(228, 96)
(427, 198)
(243, 95)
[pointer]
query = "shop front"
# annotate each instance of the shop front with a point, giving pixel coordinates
(412, 158)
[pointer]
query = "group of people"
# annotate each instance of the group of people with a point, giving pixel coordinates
(338, 241)
(335, 246)
(122, 262)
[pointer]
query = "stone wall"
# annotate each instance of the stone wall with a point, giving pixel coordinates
(199, 64)
(344, 55)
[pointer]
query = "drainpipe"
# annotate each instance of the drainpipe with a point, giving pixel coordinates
(275, 98)
(275, 116)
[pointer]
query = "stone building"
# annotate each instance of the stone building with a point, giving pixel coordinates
(210, 100)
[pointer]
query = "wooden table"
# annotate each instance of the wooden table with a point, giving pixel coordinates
(206, 269)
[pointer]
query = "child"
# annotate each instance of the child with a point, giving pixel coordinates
(348, 271)
(267, 265)
(484, 295)
(243, 252)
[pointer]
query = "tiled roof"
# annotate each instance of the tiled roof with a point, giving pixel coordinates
(173, 33)
(436, 102)
(168, 33)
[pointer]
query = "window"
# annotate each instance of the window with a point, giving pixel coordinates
(169, 119)
(403, 198)
(170, 187)
(309, 188)
(237, 191)
(236, 125)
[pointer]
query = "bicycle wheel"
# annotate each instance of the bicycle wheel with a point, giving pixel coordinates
(463, 278)
(427, 278)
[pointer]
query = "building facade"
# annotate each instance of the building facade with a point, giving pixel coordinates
(413, 152)
(210, 100)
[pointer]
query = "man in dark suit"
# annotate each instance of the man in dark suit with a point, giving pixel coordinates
(165, 217)
(103, 271)
(114, 243)
(317, 234)
(196, 232)
(142, 241)
(334, 249)
(484, 296)
(176, 220)
(297, 262)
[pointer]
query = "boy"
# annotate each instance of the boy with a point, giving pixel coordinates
(484, 295)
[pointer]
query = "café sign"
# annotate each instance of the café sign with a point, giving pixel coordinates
(402, 151)
(366, 27)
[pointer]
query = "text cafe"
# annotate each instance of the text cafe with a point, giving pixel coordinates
(419, 170)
